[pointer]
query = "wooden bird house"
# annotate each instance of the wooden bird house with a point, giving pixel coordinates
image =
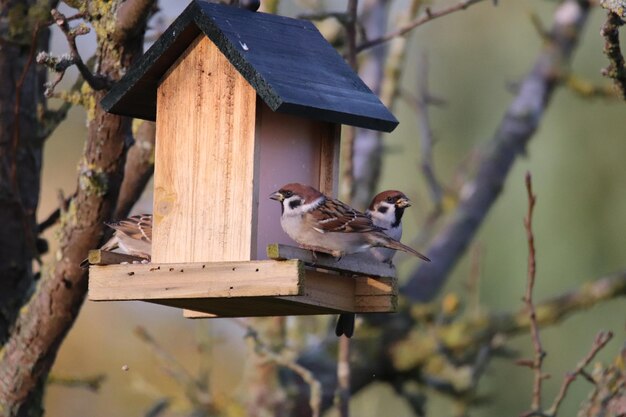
(244, 102)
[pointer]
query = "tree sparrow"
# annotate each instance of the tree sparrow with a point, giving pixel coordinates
(132, 236)
(319, 223)
(386, 210)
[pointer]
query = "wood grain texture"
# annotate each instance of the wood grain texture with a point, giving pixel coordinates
(205, 153)
(195, 280)
(330, 142)
(242, 289)
(356, 264)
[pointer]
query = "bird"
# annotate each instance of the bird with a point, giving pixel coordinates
(323, 224)
(386, 210)
(320, 223)
(131, 236)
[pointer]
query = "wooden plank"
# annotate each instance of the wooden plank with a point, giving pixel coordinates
(376, 304)
(330, 139)
(361, 264)
(290, 151)
(195, 280)
(205, 160)
(103, 257)
(367, 286)
(325, 291)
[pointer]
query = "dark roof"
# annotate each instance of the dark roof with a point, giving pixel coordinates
(290, 65)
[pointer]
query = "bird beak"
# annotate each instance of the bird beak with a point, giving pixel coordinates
(403, 202)
(277, 196)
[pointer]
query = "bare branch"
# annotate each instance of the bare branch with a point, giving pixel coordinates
(600, 341)
(343, 376)
(537, 362)
(282, 358)
(347, 179)
(130, 14)
(138, 169)
(426, 134)
(91, 383)
(516, 129)
(616, 69)
(424, 18)
(95, 81)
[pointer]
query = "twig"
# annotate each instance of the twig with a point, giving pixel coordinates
(95, 81)
(281, 358)
(599, 342)
(56, 214)
(528, 299)
(347, 178)
(616, 69)
(426, 134)
(343, 377)
(91, 383)
(424, 18)
(197, 394)
(158, 408)
(586, 89)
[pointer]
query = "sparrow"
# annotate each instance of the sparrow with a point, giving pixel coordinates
(320, 223)
(386, 210)
(323, 224)
(132, 236)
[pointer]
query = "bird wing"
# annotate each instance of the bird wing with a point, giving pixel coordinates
(137, 227)
(335, 216)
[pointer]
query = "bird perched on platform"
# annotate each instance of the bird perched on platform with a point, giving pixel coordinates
(320, 223)
(132, 236)
(386, 210)
(323, 224)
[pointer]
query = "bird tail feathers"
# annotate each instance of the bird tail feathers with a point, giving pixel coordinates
(387, 242)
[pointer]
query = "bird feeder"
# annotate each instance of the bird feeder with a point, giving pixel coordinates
(244, 102)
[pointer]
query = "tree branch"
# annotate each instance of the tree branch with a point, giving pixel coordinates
(510, 139)
(616, 69)
(540, 354)
(138, 170)
(96, 81)
(32, 347)
(424, 18)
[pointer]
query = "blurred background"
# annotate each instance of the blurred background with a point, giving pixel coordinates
(475, 58)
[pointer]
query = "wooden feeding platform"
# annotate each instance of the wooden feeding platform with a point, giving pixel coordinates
(292, 282)
(244, 103)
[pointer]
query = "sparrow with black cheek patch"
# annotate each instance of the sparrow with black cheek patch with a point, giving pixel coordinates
(132, 236)
(320, 223)
(386, 210)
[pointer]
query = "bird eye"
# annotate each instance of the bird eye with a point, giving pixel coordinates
(390, 200)
(287, 194)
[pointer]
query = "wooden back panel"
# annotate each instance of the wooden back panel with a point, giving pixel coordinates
(292, 149)
(205, 153)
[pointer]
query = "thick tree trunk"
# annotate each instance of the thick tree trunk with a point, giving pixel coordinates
(21, 146)
(34, 342)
